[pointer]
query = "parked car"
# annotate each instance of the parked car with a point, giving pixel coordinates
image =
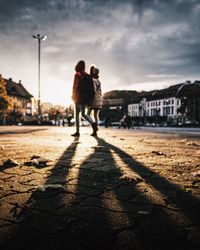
(101, 123)
(190, 123)
(117, 124)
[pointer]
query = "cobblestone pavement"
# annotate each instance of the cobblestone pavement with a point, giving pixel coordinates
(126, 189)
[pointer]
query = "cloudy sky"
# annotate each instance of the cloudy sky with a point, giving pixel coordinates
(136, 44)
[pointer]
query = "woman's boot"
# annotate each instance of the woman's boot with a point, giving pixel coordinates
(95, 128)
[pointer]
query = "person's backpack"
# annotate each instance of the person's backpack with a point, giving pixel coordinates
(86, 89)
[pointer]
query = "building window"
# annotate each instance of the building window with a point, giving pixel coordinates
(172, 110)
(168, 110)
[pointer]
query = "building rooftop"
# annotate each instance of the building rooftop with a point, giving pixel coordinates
(179, 90)
(185, 89)
(16, 89)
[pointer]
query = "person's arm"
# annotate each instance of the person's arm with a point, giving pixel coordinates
(100, 87)
(75, 87)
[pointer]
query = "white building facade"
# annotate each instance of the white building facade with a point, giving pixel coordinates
(158, 106)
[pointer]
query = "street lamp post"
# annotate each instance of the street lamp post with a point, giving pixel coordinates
(39, 38)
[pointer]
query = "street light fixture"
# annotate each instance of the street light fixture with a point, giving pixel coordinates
(39, 38)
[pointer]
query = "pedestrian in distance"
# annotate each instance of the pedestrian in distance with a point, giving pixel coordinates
(107, 121)
(97, 101)
(82, 95)
(126, 121)
(63, 122)
(69, 117)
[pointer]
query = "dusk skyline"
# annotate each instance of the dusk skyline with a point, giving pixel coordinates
(137, 45)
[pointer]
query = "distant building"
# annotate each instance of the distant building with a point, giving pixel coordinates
(21, 102)
(46, 107)
(20, 99)
(115, 104)
(176, 104)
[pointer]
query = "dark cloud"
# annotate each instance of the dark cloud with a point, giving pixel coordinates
(130, 40)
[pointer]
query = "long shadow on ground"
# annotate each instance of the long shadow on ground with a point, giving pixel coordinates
(98, 209)
(21, 131)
